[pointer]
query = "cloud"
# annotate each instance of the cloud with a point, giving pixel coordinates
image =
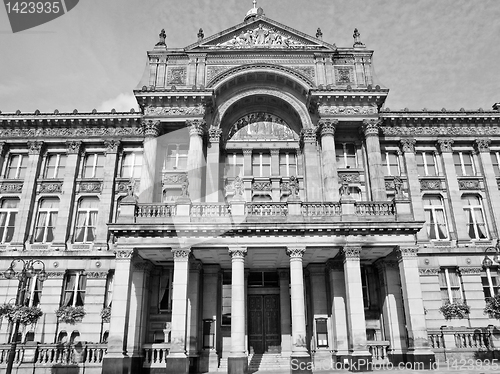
(122, 103)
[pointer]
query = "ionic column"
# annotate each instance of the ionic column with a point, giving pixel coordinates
(311, 167)
(457, 231)
(356, 324)
(237, 360)
(408, 148)
(148, 188)
(25, 210)
(116, 359)
(299, 344)
(213, 191)
(418, 349)
(286, 342)
(328, 157)
(370, 129)
(195, 161)
(483, 149)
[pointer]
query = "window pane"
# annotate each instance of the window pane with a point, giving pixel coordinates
(431, 164)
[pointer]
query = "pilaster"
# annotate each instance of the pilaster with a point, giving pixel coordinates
(149, 186)
(213, 189)
(196, 160)
(371, 131)
(328, 157)
(311, 165)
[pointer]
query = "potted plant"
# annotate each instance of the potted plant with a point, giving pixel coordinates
(492, 308)
(25, 315)
(456, 309)
(70, 314)
(106, 314)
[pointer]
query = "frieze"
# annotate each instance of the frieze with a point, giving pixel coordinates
(197, 110)
(261, 186)
(296, 252)
(96, 274)
(344, 75)
(428, 271)
(430, 184)
(83, 132)
(440, 131)
(325, 110)
(470, 270)
(350, 177)
(50, 187)
(90, 187)
(174, 178)
(11, 187)
(176, 75)
(56, 274)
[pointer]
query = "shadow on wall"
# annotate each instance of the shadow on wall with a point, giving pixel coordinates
(65, 369)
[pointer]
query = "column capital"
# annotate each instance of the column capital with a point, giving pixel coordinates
(214, 134)
(327, 127)
(351, 252)
(407, 145)
(73, 147)
(181, 254)
(196, 127)
(308, 135)
(151, 128)
(468, 270)
(111, 146)
(34, 147)
(295, 252)
(125, 254)
(371, 127)
(406, 252)
(483, 145)
(445, 145)
(237, 252)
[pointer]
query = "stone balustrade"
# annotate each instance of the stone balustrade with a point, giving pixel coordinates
(267, 209)
(372, 208)
(155, 210)
(155, 355)
(210, 210)
(378, 349)
(321, 209)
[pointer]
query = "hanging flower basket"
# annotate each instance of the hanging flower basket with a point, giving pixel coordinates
(25, 315)
(106, 314)
(457, 309)
(492, 308)
(70, 314)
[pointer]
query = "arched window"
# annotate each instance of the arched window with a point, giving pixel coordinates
(8, 213)
(86, 220)
(476, 224)
(435, 217)
(46, 220)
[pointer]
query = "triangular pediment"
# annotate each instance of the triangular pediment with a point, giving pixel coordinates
(260, 33)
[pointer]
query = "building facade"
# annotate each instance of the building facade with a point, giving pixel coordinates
(262, 208)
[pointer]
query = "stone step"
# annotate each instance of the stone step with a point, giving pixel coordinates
(261, 362)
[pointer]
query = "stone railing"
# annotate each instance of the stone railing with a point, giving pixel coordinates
(321, 209)
(436, 339)
(155, 355)
(371, 208)
(477, 339)
(155, 210)
(4, 354)
(210, 210)
(378, 349)
(267, 209)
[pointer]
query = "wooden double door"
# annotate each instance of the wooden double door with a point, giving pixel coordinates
(264, 334)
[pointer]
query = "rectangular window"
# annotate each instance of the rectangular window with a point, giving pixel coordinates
(34, 289)
(426, 164)
(74, 289)
(54, 166)
(131, 165)
(365, 288)
(390, 163)
(165, 296)
(288, 164)
(16, 166)
(46, 220)
(346, 155)
(491, 286)
(234, 165)
(322, 332)
(94, 166)
(176, 157)
(86, 220)
(464, 163)
(226, 298)
(450, 284)
(435, 218)
(261, 164)
(8, 213)
(476, 224)
(108, 297)
(495, 160)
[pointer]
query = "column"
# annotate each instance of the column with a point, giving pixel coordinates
(25, 211)
(328, 157)
(211, 297)
(214, 191)
(193, 316)
(116, 360)
(356, 324)
(408, 148)
(195, 161)
(370, 128)
(418, 344)
(149, 184)
(178, 361)
(338, 309)
(238, 360)
(286, 342)
(311, 165)
(493, 193)
(299, 359)
(457, 231)
(392, 309)
(200, 71)
(107, 191)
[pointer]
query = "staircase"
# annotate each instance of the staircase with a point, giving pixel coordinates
(261, 362)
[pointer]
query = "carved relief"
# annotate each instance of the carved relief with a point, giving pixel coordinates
(350, 177)
(73, 147)
(214, 134)
(174, 178)
(430, 184)
(371, 127)
(408, 145)
(96, 274)
(428, 271)
(197, 110)
(176, 75)
(295, 252)
(34, 147)
(151, 128)
(196, 127)
(12, 187)
(469, 184)
(125, 253)
(71, 132)
(483, 145)
(440, 131)
(237, 252)
(50, 187)
(89, 187)
(111, 146)
(344, 75)
(327, 127)
(346, 110)
(403, 252)
(445, 145)
(470, 270)
(261, 186)
(308, 71)
(351, 252)
(262, 126)
(181, 254)
(308, 135)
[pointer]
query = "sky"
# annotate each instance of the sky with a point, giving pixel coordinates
(430, 54)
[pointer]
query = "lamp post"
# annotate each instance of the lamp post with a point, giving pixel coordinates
(487, 262)
(30, 268)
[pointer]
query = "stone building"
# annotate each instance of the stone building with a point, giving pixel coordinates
(262, 208)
